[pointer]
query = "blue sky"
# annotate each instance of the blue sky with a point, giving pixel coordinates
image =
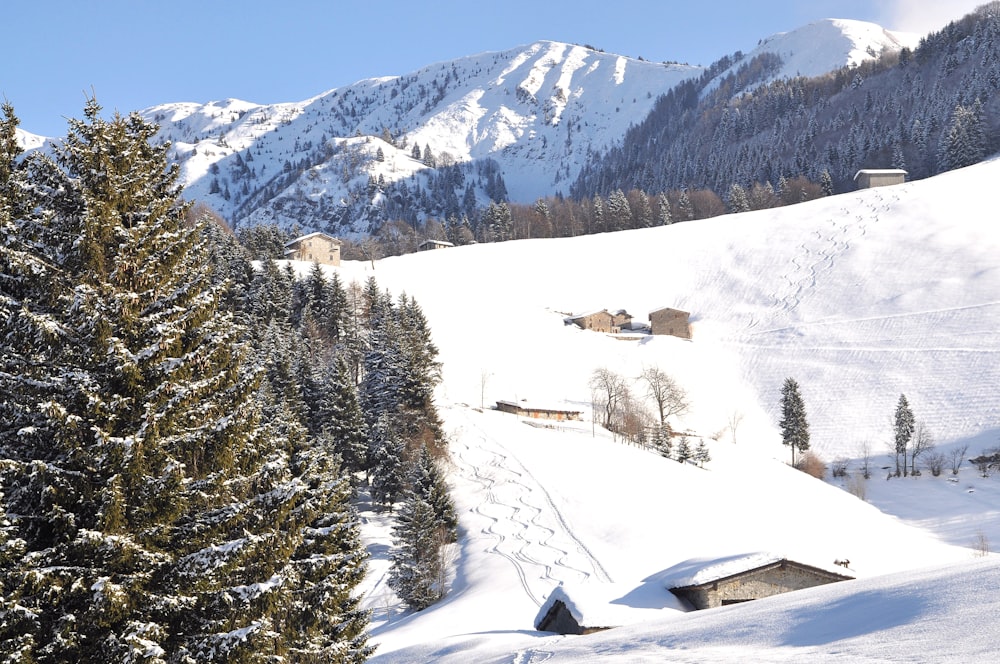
(137, 53)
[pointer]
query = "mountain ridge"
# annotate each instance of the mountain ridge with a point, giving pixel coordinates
(518, 125)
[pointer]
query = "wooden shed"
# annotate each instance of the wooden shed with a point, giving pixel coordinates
(745, 578)
(867, 178)
(318, 247)
(672, 322)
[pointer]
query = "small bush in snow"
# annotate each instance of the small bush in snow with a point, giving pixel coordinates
(934, 462)
(839, 467)
(811, 464)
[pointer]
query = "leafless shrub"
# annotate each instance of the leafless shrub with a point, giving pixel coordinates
(957, 457)
(857, 486)
(838, 468)
(921, 443)
(865, 458)
(981, 545)
(811, 464)
(934, 462)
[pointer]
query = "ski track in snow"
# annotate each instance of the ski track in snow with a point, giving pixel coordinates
(523, 520)
(818, 255)
(532, 657)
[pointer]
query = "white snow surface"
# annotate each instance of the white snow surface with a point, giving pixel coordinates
(860, 297)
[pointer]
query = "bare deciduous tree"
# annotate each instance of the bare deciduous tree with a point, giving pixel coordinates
(734, 422)
(609, 390)
(957, 458)
(865, 457)
(922, 442)
(670, 398)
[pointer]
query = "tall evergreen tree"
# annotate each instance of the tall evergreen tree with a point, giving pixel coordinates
(903, 425)
(417, 573)
(427, 481)
(158, 516)
(794, 426)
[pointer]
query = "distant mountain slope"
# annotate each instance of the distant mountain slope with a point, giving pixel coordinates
(538, 111)
(926, 110)
(822, 46)
(518, 124)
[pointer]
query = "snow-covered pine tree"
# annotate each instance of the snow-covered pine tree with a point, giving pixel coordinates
(794, 426)
(663, 206)
(683, 450)
(427, 481)
(661, 440)
(417, 573)
(701, 454)
(903, 426)
(336, 413)
(738, 201)
(158, 515)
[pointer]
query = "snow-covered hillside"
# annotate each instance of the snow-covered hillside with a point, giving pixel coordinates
(538, 112)
(860, 297)
(823, 46)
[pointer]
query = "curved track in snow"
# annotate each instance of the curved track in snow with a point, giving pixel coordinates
(522, 522)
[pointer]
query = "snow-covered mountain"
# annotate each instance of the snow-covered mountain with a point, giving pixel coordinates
(521, 122)
(823, 46)
(29, 141)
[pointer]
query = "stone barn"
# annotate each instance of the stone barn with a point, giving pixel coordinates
(707, 585)
(867, 178)
(595, 321)
(621, 319)
(672, 322)
(318, 247)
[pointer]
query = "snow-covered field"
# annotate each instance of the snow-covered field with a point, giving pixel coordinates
(860, 297)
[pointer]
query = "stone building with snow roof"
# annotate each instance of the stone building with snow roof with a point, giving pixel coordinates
(672, 322)
(318, 247)
(596, 321)
(709, 584)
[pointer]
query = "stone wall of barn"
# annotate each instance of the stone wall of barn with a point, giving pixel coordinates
(757, 585)
(673, 322)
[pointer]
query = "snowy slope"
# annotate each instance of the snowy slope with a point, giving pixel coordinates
(823, 46)
(29, 141)
(860, 297)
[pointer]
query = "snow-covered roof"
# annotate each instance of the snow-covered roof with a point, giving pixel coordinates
(610, 604)
(655, 309)
(310, 236)
(586, 314)
(699, 571)
(439, 243)
(524, 404)
(880, 171)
